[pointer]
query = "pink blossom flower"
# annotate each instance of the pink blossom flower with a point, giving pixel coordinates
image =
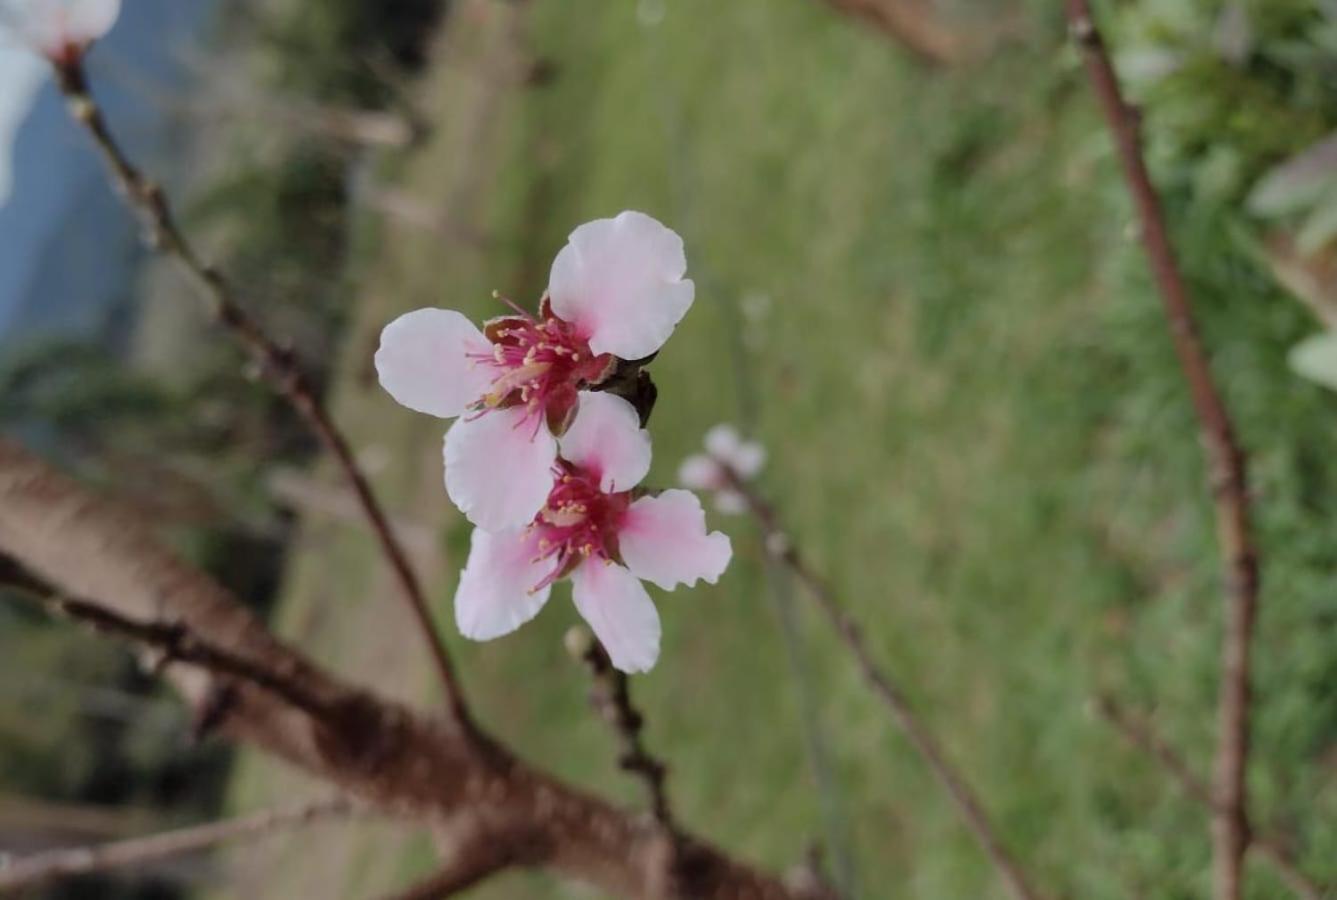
(60, 30)
(597, 530)
(726, 452)
(616, 291)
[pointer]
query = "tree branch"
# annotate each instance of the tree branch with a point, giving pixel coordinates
(414, 768)
(912, 24)
(611, 697)
(1140, 734)
(780, 547)
(28, 873)
(276, 363)
(460, 874)
(1226, 461)
(176, 643)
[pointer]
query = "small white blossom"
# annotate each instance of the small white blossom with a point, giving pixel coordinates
(727, 457)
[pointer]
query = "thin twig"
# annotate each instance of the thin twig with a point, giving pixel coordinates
(276, 363)
(27, 873)
(1226, 461)
(837, 850)
(463, 873)
(780, 547)
(1140, 734)
(912, 24)
(611, 697)
(175, 642)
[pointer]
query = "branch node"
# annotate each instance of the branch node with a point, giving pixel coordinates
(1083, 32)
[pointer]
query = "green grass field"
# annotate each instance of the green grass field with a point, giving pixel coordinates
(919, 290)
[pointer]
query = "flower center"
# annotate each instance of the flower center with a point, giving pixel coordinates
(578, 521)
(540, 363)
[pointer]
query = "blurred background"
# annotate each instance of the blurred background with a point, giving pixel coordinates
(918, 285)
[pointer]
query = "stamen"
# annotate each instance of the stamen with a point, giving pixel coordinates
(497, 295)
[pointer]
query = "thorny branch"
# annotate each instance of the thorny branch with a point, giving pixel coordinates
(1140, 734)
(611, 697)
(31, 872)
(782, 549)
(276, 363)
(1227, 467)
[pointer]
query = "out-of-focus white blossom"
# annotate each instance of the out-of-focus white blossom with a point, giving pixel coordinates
(60, 30)
(728, 456)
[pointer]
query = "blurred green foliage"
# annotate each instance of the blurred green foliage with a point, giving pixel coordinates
(1229, 88)
(1240, 106)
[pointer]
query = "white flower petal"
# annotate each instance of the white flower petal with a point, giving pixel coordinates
(663, 540)
(496, 592)
(621, 613)
(700, 473)
(48, 26)
(424, 362)
(92, 19)
(730, 502)
(723, 441)
(748, 459)
(606, 438)
(620, 282)
(498, 468)
(725, 444)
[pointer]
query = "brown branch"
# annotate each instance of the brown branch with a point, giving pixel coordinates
(912, 24)
(1228, 469)
(414, 768)
(464, 871)
(611, 697)
(241, 99)
(276, 363)
(174, 642)
(1140, 734)
(782, 549)
(28, 873)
